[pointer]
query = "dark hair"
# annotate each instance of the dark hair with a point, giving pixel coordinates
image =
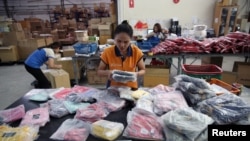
(55, 45)
(124, 27)
(158, 27)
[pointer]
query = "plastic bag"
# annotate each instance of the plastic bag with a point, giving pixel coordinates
(126, 93)
(106, 129)
(145, 104)
(160, 89)
(169, 101)
(73, 97)
(61, 94)
(57, 108)
(38, 116)
(93, 112)
(123, 76)
(72, 107)
(139, 93)
(23, 133)
(80, 89)
(192, 93)
(39, 97)
(143, 125)
(186, 121)
(89, 95)
(13, 114)
(225, 108)
(111, 97)
(72, 130)
(200, 83)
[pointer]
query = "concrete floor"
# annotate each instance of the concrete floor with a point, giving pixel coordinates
(15, 81)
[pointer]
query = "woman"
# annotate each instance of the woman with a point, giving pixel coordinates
(44, 55)
(158, 32)
(122, 56)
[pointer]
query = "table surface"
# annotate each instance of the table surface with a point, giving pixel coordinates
(51, 127)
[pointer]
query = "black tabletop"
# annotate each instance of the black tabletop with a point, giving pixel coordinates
(46, 131)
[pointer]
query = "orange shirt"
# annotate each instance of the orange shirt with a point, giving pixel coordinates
(114, 60)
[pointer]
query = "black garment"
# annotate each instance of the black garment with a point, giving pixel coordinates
(40, 77)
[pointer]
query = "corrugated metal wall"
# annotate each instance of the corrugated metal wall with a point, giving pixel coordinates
(21, 9)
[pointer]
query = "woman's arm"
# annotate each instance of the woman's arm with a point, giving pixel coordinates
(102, 70)
(141, 67)
(51, 64)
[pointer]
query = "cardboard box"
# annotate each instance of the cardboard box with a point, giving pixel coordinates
(9, 54)
(58, 78)
(106, 20)
(243, 75)
(103, 39)
(229, 77)
(93, 32)
(104, 27)
(67, 65)
(68, 52)
(236, 65)
(93, 78)
(156, 75)
(212, 60)
(48, 40)
(16, 27)
(12, 38)
(105, 32)
(94, 22)
(26, 47)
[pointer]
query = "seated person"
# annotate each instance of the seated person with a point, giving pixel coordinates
(158, 32)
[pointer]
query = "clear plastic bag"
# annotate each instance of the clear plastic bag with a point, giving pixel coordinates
(90, 95)
(93, 112)
(57, 108)
(111, 97)
(166, 102)
(38, 116)
(39, 97)
(192, 93)
(225, 108)
(73, 107)
(72, 130)
(126, 93)
(139, 93)
(23, 133)
(187, 122)
(160, 89)
(124, 76)
(73, 97)
(145, 104)
(200, 83)
(143, 125)
(13, 114)
(61, 94)
(106, 129)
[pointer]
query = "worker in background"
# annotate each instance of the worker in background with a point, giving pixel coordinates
(122, 56)
(158, 32)
(41, 56)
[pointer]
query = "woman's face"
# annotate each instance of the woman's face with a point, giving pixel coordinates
(122, 41)
(57, 50)
(155, 29)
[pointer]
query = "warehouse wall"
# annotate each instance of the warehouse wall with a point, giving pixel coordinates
(39, 8)
(162, 11)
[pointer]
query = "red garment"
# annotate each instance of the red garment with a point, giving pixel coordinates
(78, 134)
(143, 126)
(94, 112)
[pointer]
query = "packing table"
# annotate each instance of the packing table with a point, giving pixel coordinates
(54, 123)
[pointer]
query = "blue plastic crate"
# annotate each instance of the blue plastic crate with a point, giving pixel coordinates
(85, 48)
(144, 45)
(154, 41)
